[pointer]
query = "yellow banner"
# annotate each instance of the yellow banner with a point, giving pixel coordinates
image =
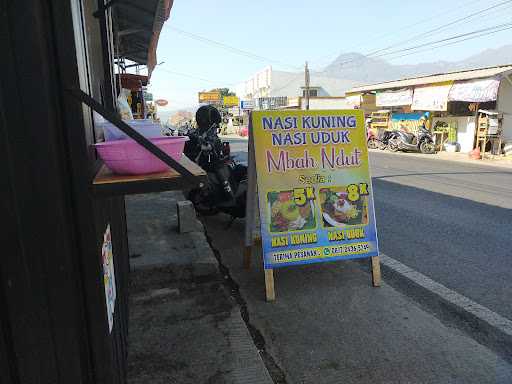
(230, 101)
(209, 97)
(314, 186)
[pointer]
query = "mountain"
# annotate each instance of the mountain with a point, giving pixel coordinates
(367, 70)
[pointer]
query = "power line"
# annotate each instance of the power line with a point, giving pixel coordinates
(433, 17)
(427, 33)
(444, 26)
(495, 28)
(453, 42)
(423, 21)
(446, 39)
(444, 45)
(229, 48)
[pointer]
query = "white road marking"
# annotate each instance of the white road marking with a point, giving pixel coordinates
(492, 318)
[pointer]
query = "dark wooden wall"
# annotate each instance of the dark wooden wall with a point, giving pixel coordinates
(53, 322)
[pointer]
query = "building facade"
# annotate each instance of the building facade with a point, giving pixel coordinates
(272, 83)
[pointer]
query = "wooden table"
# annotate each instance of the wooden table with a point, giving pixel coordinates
(107, 183)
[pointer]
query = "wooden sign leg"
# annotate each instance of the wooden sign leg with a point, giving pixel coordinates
(251, 204)
(269, 285)
(375, 264)
(247, 257)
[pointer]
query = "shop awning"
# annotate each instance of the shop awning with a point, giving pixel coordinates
(132, 81)
(394, 98)
(407, 116)
(470, 74)
(475, 91)
(138, 25)
(432, 97)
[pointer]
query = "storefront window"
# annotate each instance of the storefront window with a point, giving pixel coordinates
(463, 108)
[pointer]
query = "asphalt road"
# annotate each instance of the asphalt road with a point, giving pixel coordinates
(451, 221)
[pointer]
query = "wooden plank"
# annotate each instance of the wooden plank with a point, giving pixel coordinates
(269, 285)
(109, 184)
(106, 176)
(376, 276)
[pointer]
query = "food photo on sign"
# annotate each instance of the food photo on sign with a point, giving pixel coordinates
(286, 214)
(340, 208)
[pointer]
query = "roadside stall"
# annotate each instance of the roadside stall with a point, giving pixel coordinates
(366, 101)
(465, 98)
(136, 84)
(489, 132)
(380, 121)
(452, 101)
(433, 99)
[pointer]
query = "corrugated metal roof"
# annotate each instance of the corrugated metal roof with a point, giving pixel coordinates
(437, 78)
(138, 24)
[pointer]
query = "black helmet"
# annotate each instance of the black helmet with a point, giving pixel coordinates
(206, 116)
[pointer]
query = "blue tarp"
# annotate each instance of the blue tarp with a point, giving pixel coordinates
(406, 116)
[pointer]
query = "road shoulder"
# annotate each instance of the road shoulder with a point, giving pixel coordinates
(328, 325)
(453, 157)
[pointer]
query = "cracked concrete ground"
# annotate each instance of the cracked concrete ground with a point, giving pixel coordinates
(184, 324)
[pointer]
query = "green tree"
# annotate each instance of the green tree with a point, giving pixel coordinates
(224, 92)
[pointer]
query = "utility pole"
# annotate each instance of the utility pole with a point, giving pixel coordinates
(306, 78)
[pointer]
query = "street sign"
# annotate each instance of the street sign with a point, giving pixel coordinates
(161, 102)
(209, 97)
(230, 101)
(314, 188)
(247, 104)
(148, 96)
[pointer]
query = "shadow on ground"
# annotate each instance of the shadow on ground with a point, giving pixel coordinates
(328, 325)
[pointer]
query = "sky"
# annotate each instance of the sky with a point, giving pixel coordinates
(286, 33)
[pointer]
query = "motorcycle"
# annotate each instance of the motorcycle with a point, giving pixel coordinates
(383, 139)
(371, 138)
(169, 130)
(226, 187)
(405, 141)
(372, 141)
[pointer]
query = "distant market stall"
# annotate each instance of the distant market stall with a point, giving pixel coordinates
(454, 100)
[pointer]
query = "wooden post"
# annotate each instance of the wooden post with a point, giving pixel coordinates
(269, 285)
(475, 141)
(247, 257)
(251, 204)
(375, 264)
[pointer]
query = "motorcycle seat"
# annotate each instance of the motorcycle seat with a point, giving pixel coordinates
(408, 136)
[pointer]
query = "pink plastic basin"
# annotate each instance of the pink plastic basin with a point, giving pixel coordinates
(126, 157)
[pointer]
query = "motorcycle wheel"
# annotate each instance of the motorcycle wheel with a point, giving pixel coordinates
(393, 146)
(203, 209)
(373, 143)
(427, 148)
